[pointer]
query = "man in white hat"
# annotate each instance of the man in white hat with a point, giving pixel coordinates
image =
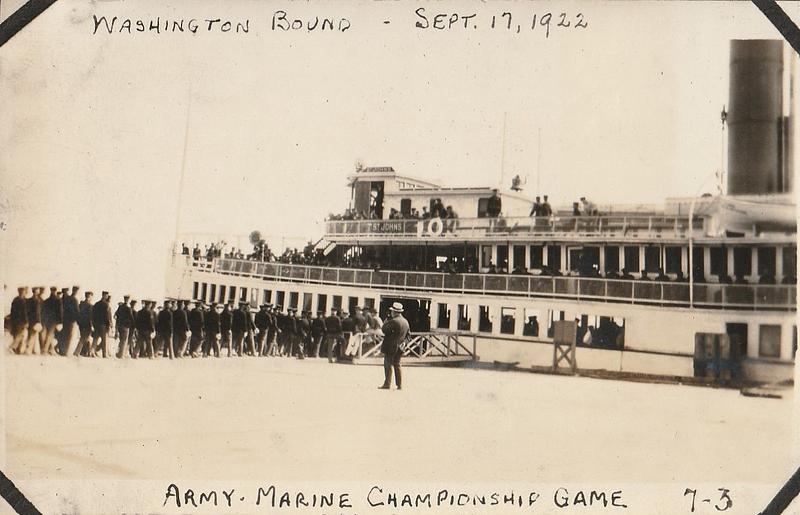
(395, 331)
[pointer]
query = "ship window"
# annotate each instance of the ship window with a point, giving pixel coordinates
(279, 298)
(444, 317)
(502, 258)
(632, 259)
(672, 256)
(486, 256)
(352, 302)
(195, 290)
(222, 291)
(766, 261)
(508, 320)
(769, 341)
(232, 293)
(483, 204)
(536, 257)
(337, 302)
(484, 321)
(612, 258)
(742, 261)
(369, 302)
(789, 261)
(652, 258)
(464, 322)
(243, 295)
(204, 291)
(267, 296)
(254, 297)
(519, 256)
(719, 260)
(322, 303)
(531, 327)
(294, 297)
(307, 302)
(554, 257)
(212, 295)
(405, 206)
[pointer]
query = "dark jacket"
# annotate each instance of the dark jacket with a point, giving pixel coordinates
(124, 316)
(360, 322)
(52, 312)
(304, 327)
(226, 320)
(318, 327)
(196, 321)
(333, 324)
(101, 314)
(85, 315)
(19, 315)
(33, 307)
(145, 323)
(349, 325)
(262, 320)
(239, 324)
(395, 331)
(180, 321)
(70, 305)
(164, 323)
(212, 323)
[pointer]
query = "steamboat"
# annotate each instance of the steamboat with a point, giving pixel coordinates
(649, 289)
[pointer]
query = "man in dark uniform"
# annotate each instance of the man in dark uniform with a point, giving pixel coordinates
(238, 328)
(348, 330)
(281, 334)
(180, 328)
(304, 334)
(291, 330)
(164, 330)
(212, 330)
(334, 337)
(250, 331)
(272, 332)
(262, 324)
(85, 346)
(52, 318)
(395, 331)
(132, 340)
(495, 205)
(19, 320)
(145, 328)
(101, 322)
(318, 333)
(124, 318)
(225, 323)
(33, 307)
(196, 322)
(70, 307)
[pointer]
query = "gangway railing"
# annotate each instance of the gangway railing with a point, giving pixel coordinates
(711, 295)
(430, 346)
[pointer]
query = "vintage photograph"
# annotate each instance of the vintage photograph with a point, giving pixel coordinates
(398, 257)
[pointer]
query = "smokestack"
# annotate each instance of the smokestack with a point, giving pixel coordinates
(755, 118)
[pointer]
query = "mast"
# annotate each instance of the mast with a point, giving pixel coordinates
(503, 151)
(183, 173)
(538, 160)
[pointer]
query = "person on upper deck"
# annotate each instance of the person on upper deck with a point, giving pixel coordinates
(495, 205)
(589, 207)
(536, 209)
(545, 209)
(575, 209)
(661, 276)
(626, 275)
(450, 213)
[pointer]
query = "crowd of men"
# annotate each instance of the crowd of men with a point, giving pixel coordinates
(180, 328)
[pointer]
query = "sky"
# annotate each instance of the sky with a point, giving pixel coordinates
(96, 128)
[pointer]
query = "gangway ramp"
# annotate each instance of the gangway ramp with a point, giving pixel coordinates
(428, 348)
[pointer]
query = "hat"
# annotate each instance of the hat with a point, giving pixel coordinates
(126, 297)
(76, 288)
(22, 288)
(320, 312)
(396, 307)
(105, 293)
(64, 290)
(53, 288)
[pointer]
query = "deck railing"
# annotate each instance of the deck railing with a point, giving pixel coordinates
(731, 296)
(605, 225)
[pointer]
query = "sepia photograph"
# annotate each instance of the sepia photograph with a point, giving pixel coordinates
(398, 257)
